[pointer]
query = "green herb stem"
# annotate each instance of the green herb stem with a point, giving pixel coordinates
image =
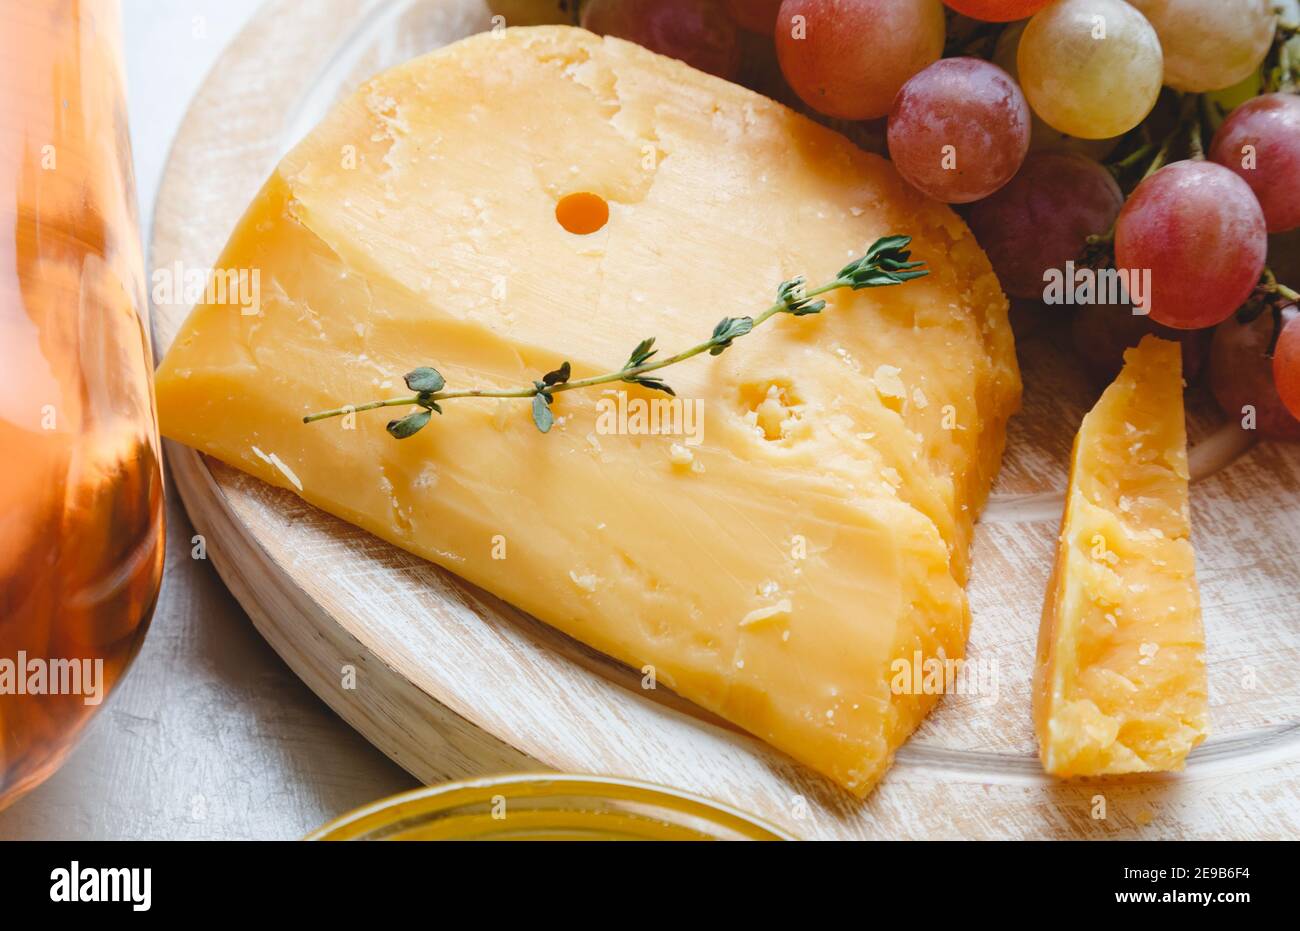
(772, 311)
(621, 375)
(886, 263)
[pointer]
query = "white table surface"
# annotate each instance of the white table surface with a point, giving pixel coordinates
(210, 735)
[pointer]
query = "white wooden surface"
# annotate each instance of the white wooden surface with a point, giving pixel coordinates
(450, 680)
(211, 735)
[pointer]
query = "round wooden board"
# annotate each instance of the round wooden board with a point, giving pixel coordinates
(451, 682)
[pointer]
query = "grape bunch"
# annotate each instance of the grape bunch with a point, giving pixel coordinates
(1157, 141)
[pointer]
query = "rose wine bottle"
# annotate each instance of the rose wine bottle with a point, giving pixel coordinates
(81, 497)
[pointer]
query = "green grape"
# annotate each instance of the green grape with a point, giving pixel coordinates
(1210, 44)
(1090, 68)
(1043, 138)
(1230, 98)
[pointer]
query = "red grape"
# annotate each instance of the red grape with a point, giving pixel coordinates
(848, 58)
(997, 11)
(1043, 218)
(1286, 366)
(959, 130)
(755, 15)
(698, 32)
(1241, 376)
(1197, 231)
(1101, 333)
(1260, 141)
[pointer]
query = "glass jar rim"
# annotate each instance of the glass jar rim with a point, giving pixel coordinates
(428, 802)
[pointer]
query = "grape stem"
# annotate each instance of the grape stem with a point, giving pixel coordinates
(1212, 114)
(1278, 324)
(1195, 143)
(1190, 123)
(1162, 154)
(1290, 295)
(1284, 75)
(1270, 296)
(1135, 157)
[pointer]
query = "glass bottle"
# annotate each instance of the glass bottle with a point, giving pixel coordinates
(81, 495)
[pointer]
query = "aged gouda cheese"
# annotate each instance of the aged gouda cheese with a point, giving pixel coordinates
(1120, 680)
(771, 565)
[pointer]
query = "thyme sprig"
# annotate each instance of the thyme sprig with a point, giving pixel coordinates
(887, 262)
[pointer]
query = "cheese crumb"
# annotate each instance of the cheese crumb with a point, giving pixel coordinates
(427, 478)
(278, 463)
(888, 383)
(781, 609)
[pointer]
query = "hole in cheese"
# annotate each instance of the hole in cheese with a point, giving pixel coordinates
(772, 406)
(582, 213)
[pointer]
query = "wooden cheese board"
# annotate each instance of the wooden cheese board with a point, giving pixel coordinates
(451, 682)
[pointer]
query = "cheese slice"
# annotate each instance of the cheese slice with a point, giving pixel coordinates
(769, 566)
(1120, 680)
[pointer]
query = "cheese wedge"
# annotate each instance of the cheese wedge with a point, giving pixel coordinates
(768, 566)
(1120, 680)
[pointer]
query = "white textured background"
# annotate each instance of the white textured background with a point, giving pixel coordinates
(210, 735)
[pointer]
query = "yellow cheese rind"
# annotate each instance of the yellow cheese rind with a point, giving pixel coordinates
(771, 572)
(1120, 682)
